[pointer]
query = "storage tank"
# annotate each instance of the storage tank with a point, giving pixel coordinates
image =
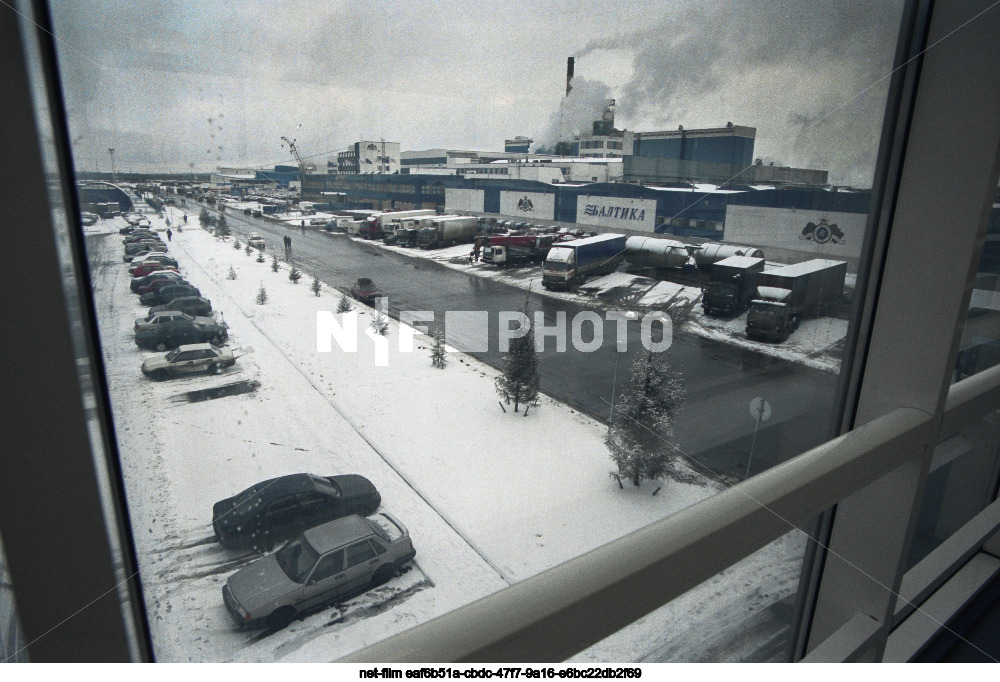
(709, 253)
(651, 252)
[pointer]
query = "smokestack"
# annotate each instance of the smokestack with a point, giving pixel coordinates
(569, 75)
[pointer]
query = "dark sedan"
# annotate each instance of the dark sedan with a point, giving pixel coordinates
(365, 291)
(192, 305)
(281, 508)
(167, 294)
(167, 275)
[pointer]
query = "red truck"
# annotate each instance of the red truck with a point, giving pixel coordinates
(510, 249)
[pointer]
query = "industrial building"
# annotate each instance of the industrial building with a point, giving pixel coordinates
(368, 156)
(103, 198)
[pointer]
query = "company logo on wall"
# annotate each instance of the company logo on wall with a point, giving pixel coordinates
(617, 212)
(372, 147)
(823, 233)
(525, 204)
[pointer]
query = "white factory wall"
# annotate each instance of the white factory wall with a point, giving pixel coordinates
(463, 200)
(788, 234)
(533, 205)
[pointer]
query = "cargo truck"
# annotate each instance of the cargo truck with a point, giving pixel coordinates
(732, 287)
(374, 225)
(570, 263)
(510, 249)
(786, 294)
(448, 230)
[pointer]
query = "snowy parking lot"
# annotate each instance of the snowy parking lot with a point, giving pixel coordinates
(489, 498)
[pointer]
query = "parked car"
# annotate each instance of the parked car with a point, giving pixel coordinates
(167, 317)
(256, 241)
(320, 566)
(149, 267)
(365, 291)
(158, 283)
(188, 359)
(180, 332)
(247, 211)
(280, 508)
(192, 305)
(152, 257)
(167, 274)
(139, 234)
(318, 221)
(87, 219)
(257, 213)
(167, 294)
(128, 229)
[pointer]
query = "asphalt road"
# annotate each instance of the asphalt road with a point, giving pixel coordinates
(715, 428)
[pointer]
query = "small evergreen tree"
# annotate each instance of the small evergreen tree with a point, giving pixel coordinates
(294, 274)
(438, 358)
(205, 218)
(261, 295)
(316, 286)
(274, 262)
(344, 304)
(379, 324)
(519, 380)
(237, 245)
(260, 256)
(248, 250)
(222, 227)
(641, 435)
(232, 273)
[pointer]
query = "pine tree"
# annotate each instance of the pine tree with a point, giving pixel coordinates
(379, 324)
(519, 380)
(260, 256)
(248, 250)
(205, 218)
(641, 435)
(294, 274)
(316, 286)
(261, 295)
(222, 227)
(232, 273)
(344, 305)
(438, 358)
(237, 245)
(274, 262)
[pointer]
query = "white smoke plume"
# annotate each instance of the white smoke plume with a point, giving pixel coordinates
(576, 113)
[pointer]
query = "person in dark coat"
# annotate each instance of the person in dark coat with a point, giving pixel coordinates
(169, 234)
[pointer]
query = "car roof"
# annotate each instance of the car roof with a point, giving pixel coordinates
(195, 346)
(338, 533)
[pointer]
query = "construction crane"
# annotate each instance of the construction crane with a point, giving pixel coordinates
(298, 157)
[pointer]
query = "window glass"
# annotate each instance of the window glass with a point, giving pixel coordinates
(329, 565)
(460, 454)
(359, 553)
(12, 643)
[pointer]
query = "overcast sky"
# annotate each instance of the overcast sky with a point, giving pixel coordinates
(180, 85)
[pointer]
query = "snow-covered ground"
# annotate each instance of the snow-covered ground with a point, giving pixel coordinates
(489, 497)
(817, 342)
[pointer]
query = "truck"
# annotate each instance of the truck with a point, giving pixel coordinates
(570, 263)
(732, 287)
(509, 249)
(710, 253)
(447, 230)
(786, 294)
(374, 225)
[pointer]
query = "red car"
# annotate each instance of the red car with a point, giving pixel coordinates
(365, 291)
(147, 268)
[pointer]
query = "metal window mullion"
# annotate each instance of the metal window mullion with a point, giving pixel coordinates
(946, 184)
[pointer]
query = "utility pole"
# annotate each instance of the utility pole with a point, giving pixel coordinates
(111, 151)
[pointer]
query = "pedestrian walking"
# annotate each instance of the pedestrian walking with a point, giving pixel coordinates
(169, 234)
(303, 227)
(185, 218)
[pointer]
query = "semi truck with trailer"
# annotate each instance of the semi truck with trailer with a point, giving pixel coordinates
(786, 294)
(510, 249)
(732, 287)
(448, 230)
(374, 225)
(570, 263)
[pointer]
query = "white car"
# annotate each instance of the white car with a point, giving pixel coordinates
(188, 359)
(256, 241)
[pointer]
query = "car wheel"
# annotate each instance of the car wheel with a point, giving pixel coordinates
(161, 347)
(216, 340)
(281, 619)
(160, 375)
(382, 575)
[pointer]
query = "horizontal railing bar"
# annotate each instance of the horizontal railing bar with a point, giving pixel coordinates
(970, 399)
(937, 567)
(565, 609)
(848, 643)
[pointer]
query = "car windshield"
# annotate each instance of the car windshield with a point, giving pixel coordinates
(171, 355)
(764, 309)
(325, 485)
(297, 559)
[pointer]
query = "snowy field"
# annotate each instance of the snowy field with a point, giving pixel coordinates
(489, 498)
